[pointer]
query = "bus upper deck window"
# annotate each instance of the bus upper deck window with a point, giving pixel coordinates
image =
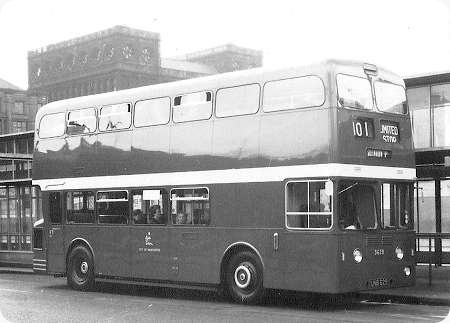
(354, 92)
(390, 97)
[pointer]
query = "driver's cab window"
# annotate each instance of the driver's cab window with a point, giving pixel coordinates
(357, 207)
(149, 207)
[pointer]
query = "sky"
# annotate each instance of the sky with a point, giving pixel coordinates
(409, 37)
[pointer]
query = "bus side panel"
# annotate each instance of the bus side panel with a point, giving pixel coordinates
(150, 149)
(49, 159)
(191, 146)
(295, 137)
(236, 142)
(79, 233)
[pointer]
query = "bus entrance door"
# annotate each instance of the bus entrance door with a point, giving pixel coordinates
(55, 234)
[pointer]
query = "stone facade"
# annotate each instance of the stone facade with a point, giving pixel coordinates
(120, 58)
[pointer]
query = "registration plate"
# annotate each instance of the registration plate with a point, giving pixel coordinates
(379, 282)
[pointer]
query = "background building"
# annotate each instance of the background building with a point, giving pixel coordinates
(429, 103)
(120, 58)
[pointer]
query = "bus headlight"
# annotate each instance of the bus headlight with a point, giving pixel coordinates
(357, 255)
(399, 253)
(407, 271)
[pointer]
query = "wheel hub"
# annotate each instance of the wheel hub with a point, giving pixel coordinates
(242, 276)
(84, 267)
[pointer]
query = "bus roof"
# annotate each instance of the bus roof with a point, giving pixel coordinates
(212, 82)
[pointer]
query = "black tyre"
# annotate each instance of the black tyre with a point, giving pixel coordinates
(244, 278)
(80, 269)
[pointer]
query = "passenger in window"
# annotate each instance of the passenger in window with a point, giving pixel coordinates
(156, 215)
(139, 217)
(181, 218)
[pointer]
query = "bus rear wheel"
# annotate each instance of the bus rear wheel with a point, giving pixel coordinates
(80, 269)
(244, 278)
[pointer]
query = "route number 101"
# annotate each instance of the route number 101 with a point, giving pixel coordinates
(362, 128)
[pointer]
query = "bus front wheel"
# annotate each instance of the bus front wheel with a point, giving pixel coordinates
(244, 278)
(80, 269)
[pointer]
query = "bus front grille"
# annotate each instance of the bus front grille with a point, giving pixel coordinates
(377, 240)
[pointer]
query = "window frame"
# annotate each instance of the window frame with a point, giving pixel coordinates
(152, 125)
(66, 211)
(99, 114)
(192, 120)
(233, 87)
(84, 133)
(308, 213)
(373, 109)
(55, 136)
(127, 200)
(165, 207)
(293, 78)
(376, 97)
(193, 199)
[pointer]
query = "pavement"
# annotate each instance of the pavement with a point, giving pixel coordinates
(436, 293)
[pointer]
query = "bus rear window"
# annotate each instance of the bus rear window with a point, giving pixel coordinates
(354, 92)
(390, 97)
(294, 93)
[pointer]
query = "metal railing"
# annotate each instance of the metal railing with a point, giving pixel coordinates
(434, 248)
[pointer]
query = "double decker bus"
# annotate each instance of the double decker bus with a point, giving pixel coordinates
(297, 179)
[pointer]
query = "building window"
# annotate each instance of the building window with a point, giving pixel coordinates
(190, 206)
(308, 205)
(440, 107)
(19, 107)
(18, 126)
